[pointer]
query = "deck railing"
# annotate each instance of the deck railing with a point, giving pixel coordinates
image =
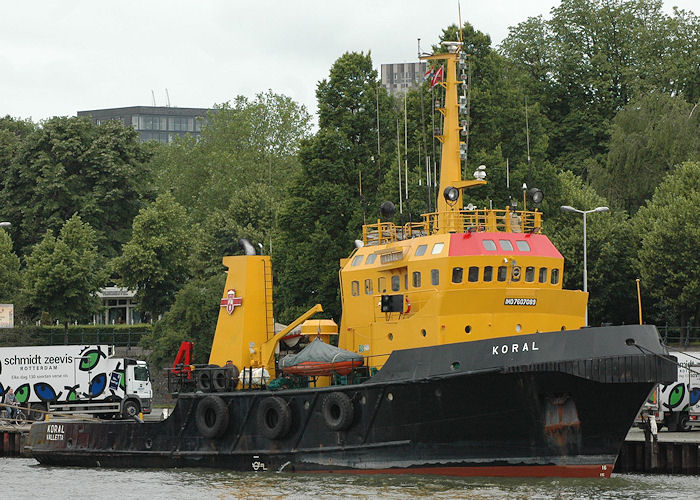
(508, 221)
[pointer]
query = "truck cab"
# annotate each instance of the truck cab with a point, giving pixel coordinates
(138, 388)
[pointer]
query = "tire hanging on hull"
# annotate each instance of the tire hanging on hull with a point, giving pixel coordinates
(274, 418)
(212, 416)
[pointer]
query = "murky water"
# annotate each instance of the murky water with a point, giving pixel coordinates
(25, 478)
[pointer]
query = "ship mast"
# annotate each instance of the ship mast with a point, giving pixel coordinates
(450, 164)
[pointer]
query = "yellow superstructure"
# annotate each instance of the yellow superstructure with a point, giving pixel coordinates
(456, 276)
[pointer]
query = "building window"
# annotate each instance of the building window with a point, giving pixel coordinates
(416, 279)
(473, 274)
(502, 273)
(529, 274)
(555, 276)
(395, 283)
(543, 275)
(488, 273)
(435, 277)
(355, 288)
(457, 273)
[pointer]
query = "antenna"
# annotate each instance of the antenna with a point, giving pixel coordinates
(527, 133)
(459, 13)
(167, 95)
(153, 95)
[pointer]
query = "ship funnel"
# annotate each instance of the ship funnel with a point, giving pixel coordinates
(248, 248)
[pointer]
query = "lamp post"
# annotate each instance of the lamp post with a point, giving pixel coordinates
(567, 208)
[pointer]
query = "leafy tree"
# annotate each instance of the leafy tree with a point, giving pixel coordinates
(155, 261)
(669, 230)
(63, 274)
(338, 185)
(648, 138)
(610, 251)
(9, 269)
(70, 165)
(192, 317)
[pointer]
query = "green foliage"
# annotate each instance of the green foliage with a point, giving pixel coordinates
(9, 270)
(592, 56)
(649, 137)
(155, 261)
(63, 274)
(669, 230)
(192, 317)
(611, 250)
(70, 165)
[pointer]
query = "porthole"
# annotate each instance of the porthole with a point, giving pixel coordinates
(468, 329)
(423, 332)
(390, 397)
(391, 336)
(455, 366)
(563, 328)
(363, 400)
(306, 405)
(518, 328)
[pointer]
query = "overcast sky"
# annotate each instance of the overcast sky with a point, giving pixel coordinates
(59, 57)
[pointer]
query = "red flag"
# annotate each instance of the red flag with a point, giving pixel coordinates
(437, 77)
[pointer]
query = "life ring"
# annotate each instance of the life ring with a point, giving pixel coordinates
(204, 381)
(212, 416)
(220, 380)
(338, 411)
(274, 417)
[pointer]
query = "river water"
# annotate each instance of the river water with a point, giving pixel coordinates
(24, 478)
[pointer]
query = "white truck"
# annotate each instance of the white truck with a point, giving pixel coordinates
(677, 405)
(76, 379)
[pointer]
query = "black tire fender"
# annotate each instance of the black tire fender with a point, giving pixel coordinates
(338, 411)
(204, 380)
(220, 380)
(274, 417)
(212, 416)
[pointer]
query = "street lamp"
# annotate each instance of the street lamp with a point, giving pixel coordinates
(567, 208)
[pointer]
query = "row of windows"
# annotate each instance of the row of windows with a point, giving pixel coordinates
(543, 276)
(173, 123)
(489, 245)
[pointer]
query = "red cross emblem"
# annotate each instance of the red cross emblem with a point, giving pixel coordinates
(231, 301)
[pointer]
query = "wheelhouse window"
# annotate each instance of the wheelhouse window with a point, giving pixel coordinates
(555, 276)
(421, 250)
(489, 245)
(368, 287)
(502, 273)
(395, 283)
(381, 285)
(457, 274)
(543, 275)
(529, 274)
(357, 260)
(488, 273)
(371, 258)
(435, 277)
(416, 279)
(355, 287)
(506, 245)
(522, 245)
(437, 248)
(473, 274)
(405, 281)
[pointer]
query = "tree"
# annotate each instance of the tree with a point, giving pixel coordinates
(192, 317)
(70, 165)
(338, 184)
(669, 230)
(610, 251)
(155, 261)
(63, 274)
(649, 137)
(9, 269)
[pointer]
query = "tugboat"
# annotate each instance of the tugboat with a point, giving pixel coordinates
(459, 353)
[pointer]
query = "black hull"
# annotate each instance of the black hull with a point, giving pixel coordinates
(559, 408)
